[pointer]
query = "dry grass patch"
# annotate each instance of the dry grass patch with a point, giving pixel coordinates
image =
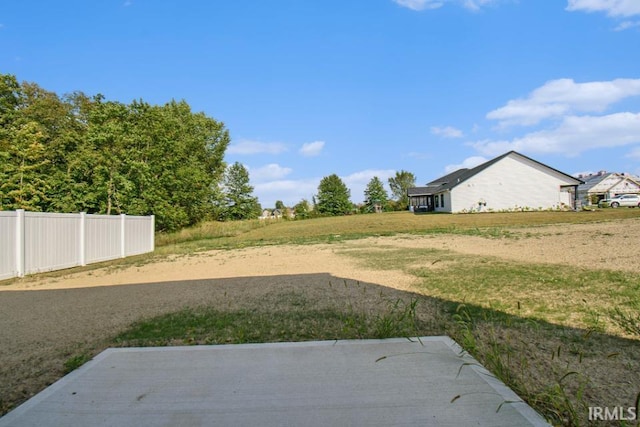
(537, 291)
(212, 235)
(564, 338)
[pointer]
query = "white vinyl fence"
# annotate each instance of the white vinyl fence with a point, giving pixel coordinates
(33, 242)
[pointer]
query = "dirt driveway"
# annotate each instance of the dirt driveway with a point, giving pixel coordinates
(46, 320)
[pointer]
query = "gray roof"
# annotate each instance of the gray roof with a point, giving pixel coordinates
(421, 191)
(457, 177)
(593, 180)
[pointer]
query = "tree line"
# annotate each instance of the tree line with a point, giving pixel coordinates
(334, 197)
(80, 153)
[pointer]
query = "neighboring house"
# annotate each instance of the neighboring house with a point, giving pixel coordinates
(270, 214)
(266, 214)
(277, 214)
(508, 182)
(603, 185)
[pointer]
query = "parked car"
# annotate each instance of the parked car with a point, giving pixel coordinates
(630, 200)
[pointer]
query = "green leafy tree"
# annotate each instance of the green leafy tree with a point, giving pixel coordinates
(66, 129)
(302, 209)
(109, 138)
(280, 205)
(24, 184)
(241, 204)
(143, 159)
(22, 152)
(375, 195)
(10, 100)
(25, 107)
(182, 157)
(399, 185)
(81, 153)
(333, 196)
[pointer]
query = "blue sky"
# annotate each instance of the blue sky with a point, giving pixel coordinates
(359, 88)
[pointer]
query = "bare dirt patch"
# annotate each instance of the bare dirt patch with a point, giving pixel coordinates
(607, 245)
(263, 261)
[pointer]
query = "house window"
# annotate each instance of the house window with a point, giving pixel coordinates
(437, 201)
(442, 200)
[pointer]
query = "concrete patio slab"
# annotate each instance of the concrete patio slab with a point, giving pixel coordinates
(422, 382)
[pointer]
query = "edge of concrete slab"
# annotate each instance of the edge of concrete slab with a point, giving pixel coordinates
(509, 396)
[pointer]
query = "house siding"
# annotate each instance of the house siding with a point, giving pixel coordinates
(625, 186)
(511, 183)
(604, 185)
(446, 196)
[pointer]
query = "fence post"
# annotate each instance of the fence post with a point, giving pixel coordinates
(153, 233)
(20, 242)
(122, 235)
(83, 242)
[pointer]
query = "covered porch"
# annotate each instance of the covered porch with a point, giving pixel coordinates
(421, 199)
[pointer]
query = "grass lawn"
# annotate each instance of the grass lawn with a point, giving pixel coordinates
(215, 235)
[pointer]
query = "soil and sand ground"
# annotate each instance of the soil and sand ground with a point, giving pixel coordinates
(45, 320)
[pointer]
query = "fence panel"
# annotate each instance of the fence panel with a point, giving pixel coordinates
(103, 237)
(8, 261)
(34, 242)
(139, 233)
(51, 241)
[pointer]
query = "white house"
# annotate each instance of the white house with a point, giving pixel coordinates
(508, 182)
(603, 185)
(277, 214)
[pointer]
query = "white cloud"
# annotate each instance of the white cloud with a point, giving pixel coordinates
(292, 191)
(256, 147)
(289, 191)
(476, 5)
(614, 8)
(626, 25)
(447, 132)
(357, 181)
(468, 163)
(574, 135)
(582, 174)
(269, 172)
(363, 177)
(311, 149)
(420, 4)
(564, 96)
(634, 153)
